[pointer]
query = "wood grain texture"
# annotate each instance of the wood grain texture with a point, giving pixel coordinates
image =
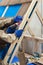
(39, 16)
(23, 9)
(12, 2)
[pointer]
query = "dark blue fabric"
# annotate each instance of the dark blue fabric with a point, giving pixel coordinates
(4, 51)
(31, 64)
(18, 33)
(18, 19)
(11, 29)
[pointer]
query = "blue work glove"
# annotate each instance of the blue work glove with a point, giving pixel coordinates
(18, 19)
(18, 33)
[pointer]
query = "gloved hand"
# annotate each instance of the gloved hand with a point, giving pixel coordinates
(18, 19)
(18, 33)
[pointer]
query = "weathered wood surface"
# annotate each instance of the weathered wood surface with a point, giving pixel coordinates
(22, 58)
(23, 9)
(39, 16)
(35, 38)
(12, 2)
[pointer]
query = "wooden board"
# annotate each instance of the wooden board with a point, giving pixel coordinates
(39, 16)
(23, 9)
(12, 2)
(35, 38)
(22, 58)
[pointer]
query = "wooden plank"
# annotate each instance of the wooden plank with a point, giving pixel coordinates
(22, 58)
(27, 14)
(13, 2)
(19, 1)
(30, 31)
(36, 46)
(23, 9)
(35, 38)
(39, 16)
(3, 2)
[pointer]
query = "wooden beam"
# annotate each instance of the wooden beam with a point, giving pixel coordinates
(36, 46)
(30, 31)
(13, 2)
(23, 9)
(3, 2)
(19, 1)
(26, 16)
(35, 38)
(39, 16)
